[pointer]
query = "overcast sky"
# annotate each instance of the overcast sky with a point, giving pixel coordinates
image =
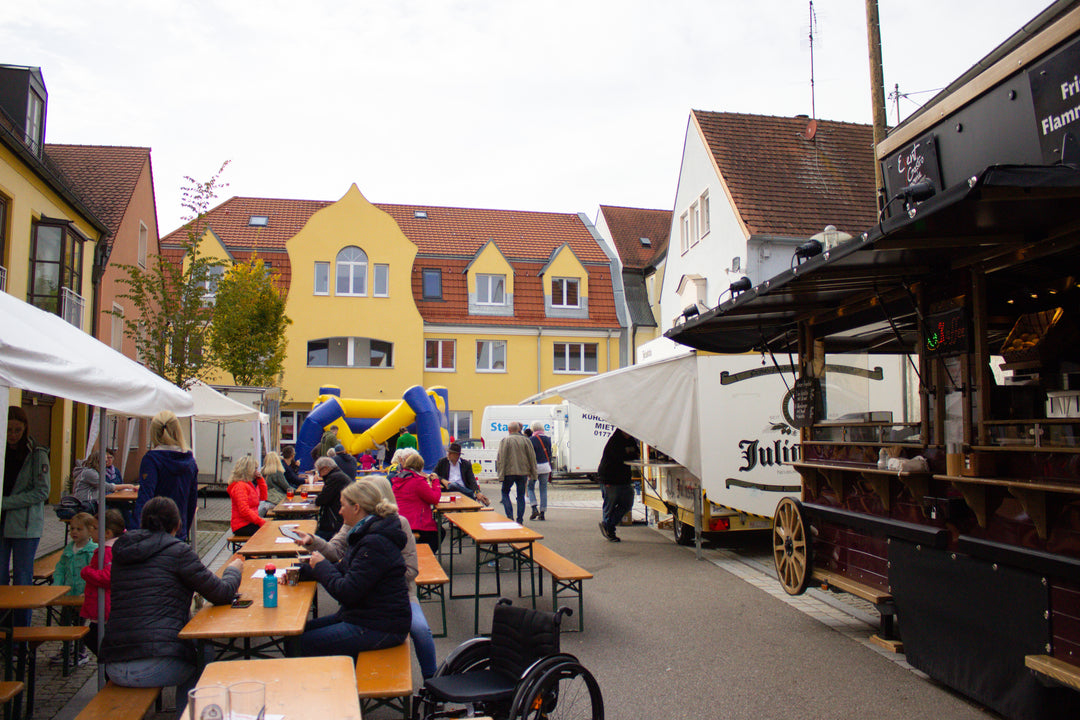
(558, 106)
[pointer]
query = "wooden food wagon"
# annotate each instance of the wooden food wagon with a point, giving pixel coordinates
(960, 520)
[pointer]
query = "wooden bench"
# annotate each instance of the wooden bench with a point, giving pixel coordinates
(1057, 670)
(430, 581)
(45, 566)
(237, 541)
(881, 600)
(33, 636)
(64, 609)
(566, 576)
(384, 678)
(113, 702)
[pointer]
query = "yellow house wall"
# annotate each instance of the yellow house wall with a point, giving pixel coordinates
(29, 198)
(566, 265)
(490, 261)
(472, 391)
(353, 221)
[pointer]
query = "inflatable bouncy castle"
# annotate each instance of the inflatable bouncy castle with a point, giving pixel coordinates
(363, 424)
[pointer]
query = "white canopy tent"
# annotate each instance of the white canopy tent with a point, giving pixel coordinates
(213, 406)
(42, 352)
(671, 422)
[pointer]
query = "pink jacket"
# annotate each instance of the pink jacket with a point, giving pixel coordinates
(94, 579)
(245, 502)
(416, 495)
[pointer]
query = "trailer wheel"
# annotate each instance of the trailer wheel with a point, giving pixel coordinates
(684, 534)
(791, 549)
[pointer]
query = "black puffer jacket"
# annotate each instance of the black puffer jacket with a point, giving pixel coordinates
(369, 582)
(153, 578)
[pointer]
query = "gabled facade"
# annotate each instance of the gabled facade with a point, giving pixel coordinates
(49, 236)
(495, 305)
(752, 188)
(640, 239)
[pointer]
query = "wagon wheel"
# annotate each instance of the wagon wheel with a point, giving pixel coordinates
(791, 549)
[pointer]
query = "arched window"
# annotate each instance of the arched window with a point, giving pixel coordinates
(351, 271)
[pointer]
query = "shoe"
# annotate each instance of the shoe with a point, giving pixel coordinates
(540, 516)
(54, 659)
(614, 538)
(84, 658)
(604, 531)
(535, 513)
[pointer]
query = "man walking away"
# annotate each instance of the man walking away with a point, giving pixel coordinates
(516, 463)
(615, 475)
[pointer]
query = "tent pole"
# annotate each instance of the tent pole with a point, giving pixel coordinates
(101, 541)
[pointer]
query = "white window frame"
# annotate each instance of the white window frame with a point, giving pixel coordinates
(353, 265)
(325, 268)
(694, 237)
(144, 239)
(117, 327)
(456, 416)
(560, 302)
(574, 351)
(380, 273)
(491, 368)
(484, 283)
(214, 273)
(440, 355)
(684, 232)
(706, 220)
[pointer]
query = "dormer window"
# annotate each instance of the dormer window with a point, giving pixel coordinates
(564, 293)
(259, 220)
(490, 289)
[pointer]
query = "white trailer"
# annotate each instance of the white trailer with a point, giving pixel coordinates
(724, 429)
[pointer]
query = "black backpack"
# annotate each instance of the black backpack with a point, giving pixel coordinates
(70, 506)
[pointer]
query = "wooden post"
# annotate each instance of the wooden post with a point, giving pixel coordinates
(877, 91)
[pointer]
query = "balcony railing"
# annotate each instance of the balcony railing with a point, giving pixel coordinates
(71, 306)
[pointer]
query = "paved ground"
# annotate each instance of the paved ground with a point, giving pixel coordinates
(666, 635)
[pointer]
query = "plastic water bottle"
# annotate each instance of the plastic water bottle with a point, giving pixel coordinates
(883, 459)
(270, 586)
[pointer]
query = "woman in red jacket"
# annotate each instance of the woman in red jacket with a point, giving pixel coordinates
(247, 489)
(416, 496)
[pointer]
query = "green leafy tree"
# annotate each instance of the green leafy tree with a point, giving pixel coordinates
(248, 334)
(172, 316)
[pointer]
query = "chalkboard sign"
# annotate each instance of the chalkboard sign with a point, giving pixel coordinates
(947, 333)
(917, 162)
(806, 398)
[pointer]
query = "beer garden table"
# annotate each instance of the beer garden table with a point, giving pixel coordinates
(296, 688)
(265, 542)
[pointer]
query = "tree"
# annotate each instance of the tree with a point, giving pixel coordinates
(172, 317)
(248, 333)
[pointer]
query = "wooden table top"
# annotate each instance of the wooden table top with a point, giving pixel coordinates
(225, 621)
(456, 502)
(311, 687)
(310, 488)
(122, 496)
(22, 597)
(296, 506)
(472, 524)
(265, 539)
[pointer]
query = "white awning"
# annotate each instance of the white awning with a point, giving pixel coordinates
(657, 403)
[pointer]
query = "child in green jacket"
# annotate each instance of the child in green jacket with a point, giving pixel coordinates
(77, 554)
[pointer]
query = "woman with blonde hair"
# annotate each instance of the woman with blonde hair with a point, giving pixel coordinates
(246, 489)
(368, 582)
(169, 470)
(273, 471)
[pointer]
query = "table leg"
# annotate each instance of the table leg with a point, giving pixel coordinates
(476, 595)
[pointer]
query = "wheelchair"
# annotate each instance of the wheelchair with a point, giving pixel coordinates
(518, 673)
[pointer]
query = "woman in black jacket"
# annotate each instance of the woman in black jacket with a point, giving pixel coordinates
(154, 575)
(368, 582)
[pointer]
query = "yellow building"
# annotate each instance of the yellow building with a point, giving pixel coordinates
(495, 305)
(48, 237)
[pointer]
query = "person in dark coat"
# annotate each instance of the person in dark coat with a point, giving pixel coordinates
(292, 465)
(334, 481)
(169, 470)
(26, 488)
(456, 475)
(154, 575)
(345, 461)
(368, 582)
(618, 485)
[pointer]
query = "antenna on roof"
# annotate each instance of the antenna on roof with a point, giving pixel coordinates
(813, 111)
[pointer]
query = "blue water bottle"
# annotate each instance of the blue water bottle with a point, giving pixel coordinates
(270, 586)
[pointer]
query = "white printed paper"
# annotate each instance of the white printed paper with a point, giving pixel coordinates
(500, 525)
(285, 540)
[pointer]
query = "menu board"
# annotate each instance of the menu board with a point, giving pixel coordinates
(806, 398)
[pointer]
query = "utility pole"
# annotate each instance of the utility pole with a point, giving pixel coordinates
(877, 90)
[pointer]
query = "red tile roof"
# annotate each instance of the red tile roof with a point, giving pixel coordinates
(784, 181)
(103, 176)
(629, 225)
(447, 238)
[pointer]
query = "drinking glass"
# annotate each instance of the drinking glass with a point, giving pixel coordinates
(247, 700)
(289, 494)
(208, 703)
(303, 494)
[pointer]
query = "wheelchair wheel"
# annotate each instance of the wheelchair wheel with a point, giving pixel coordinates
(564, 692)
(472, 654)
